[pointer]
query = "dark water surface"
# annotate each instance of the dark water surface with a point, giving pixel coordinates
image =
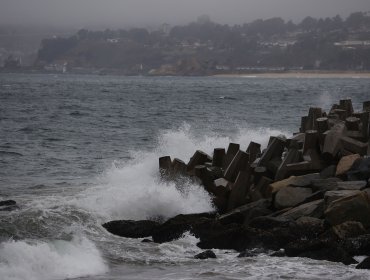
(76, 151)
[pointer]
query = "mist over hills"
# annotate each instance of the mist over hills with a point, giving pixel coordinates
(204, 47)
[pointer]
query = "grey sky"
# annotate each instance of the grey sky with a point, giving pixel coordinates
(121, 13)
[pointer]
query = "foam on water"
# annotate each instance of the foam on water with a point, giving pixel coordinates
(38, 260)
(133, 189)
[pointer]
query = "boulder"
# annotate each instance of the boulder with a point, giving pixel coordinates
(276, 186)
(360, 170)
(8, 205)
(209, 254)
(312, 209)
(251, 253)
(175, 227)
(357, 246)
(226, 237)
(328, 172)
(266, 222)
(365, 264)
(247, 212)
(350, 208)
(131, 229)
(328, 184)
(352, 185)
(345, 164)
(295, 181)
(291, 196)
(330, 196)
(319, 250)
(348, 229)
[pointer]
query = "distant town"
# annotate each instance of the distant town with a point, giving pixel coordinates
(200, 48)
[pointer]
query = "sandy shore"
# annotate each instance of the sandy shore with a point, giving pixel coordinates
(301, 75)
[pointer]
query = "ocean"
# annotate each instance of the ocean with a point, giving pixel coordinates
(77, 151)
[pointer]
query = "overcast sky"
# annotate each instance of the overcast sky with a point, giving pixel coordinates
(124, 13)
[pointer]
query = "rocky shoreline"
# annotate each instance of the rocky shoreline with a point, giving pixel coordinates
(303, 196)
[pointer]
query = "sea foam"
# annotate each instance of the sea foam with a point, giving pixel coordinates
(133, 190)
(38, 260)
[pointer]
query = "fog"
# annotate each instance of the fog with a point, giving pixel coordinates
(125, 13)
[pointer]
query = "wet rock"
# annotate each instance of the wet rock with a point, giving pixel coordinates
(209, 254)
(291, 196)
(7, 203)
(266, 223)
(328, 184)
(330, 196)
(315, 196)
(175, 227)
(146, 240)
(312, 209)
(351, 208)
(251, 253)
(131, 229)
(349, 229)
(318, 250)
(279, 253)
(305, 181)
(345, 164)
(365, 264)
(358, 245)
(245, 213)
(233, 236)
(352, 185)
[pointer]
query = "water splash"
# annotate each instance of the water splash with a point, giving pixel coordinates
(38, 260)
(133, 190)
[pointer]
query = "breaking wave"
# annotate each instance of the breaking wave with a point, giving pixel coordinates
(38, 260)
(133, 190)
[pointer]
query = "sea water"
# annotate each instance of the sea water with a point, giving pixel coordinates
(78, 151)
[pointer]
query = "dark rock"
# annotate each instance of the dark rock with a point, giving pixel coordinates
(319, 250)
(312, 209)
(349, 229)
(232, 236)
(328, 184)
(315, 196)
(360, 170)
(251, 253)
(245, 213)
(331, 196)
(9, 208)
(131, 229)
(267, 223)
(209, 254)
(310, 227)
(7, 203)
(328, 172)
(291, 196)
(146, 240)
(305, 181)
(358, 245)
(352, 185)
(175, 227)
(280, 253)
(365, 264)
(351, 208)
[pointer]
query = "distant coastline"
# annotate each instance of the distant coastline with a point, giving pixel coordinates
(301, 74)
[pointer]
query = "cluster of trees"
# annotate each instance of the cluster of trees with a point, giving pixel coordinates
(261, 43)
